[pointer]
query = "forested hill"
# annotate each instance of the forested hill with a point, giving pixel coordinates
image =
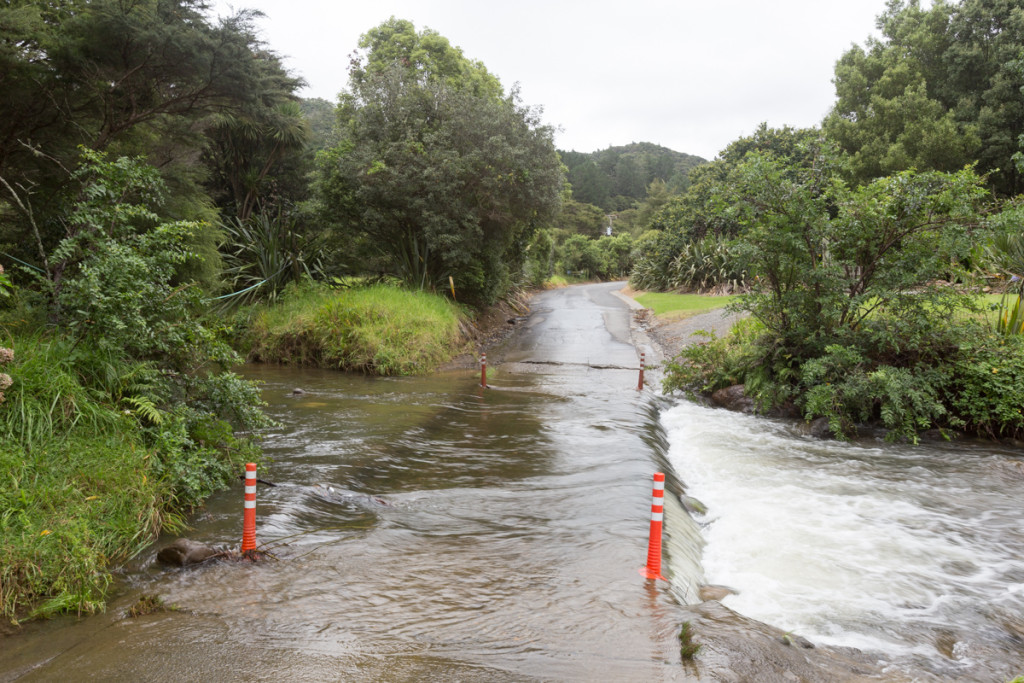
(614, 178)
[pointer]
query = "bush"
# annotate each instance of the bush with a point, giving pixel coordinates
(122, 415)
(987, 386)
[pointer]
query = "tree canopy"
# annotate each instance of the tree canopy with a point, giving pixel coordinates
(152, 78)
(616, 178)
(939, 90)
(436, 173)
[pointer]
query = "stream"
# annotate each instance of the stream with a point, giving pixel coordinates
(514, 524)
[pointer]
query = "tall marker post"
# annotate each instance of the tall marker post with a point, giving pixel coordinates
(653, 568)
(483, 370)
(249, 511)
(640, 384)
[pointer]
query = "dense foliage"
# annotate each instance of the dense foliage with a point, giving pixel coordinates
(436, 174)
(859, 313)
(941, 88)
(616, 178)
(692, 248)
(122, 412)
(205, 102)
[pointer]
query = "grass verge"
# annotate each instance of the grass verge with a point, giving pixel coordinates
(379, 330)
(84, 483)
(676, 306)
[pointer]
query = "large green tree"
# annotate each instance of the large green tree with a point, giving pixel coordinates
(940, 89)
(147, 78)
(436, 173)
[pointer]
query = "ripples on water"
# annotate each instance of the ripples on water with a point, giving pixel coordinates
(915, 552)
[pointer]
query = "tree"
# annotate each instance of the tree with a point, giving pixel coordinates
(840, 265)
(939, 90)
(856, 300)
(582, 257)
(319, 115)
(426, 55)
(581, 219)
(143, 78)
(248, 145)
(435, 176)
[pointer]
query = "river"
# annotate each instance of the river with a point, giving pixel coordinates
(515, 525)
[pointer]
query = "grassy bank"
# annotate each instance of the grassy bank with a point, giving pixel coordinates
(671, 306)
(93, 463)
(379, 330)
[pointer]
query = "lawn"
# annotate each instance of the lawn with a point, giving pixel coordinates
(675, 306)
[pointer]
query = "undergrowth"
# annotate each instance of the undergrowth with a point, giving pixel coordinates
(87, 477)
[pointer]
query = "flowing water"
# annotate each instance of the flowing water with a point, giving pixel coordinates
(514, 526)
(509, 547)
(915, 553)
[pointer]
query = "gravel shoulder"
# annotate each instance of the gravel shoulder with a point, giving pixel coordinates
(664, 337)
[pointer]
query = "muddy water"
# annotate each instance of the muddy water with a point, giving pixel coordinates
(516, 522)
(509, 548)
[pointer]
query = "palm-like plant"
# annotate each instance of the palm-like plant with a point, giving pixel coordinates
(265, 253)
(1005, 255)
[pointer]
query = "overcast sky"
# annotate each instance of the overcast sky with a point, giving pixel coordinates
(691, 75)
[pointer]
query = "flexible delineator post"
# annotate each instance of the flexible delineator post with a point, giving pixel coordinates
(653, 568)
(640, 384)
(483, 370)
(249, 511)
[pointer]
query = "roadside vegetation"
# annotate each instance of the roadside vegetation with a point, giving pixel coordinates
(869, 251)
(380, 329)
(670, 305)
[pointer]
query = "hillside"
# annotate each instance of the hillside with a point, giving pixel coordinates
(616, 177)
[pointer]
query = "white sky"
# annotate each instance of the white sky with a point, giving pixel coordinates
(691, 75)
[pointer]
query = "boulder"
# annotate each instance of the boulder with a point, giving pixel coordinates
(819, 428)
(184, 552)
(733, 398)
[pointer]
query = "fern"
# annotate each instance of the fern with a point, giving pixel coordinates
(145, 408)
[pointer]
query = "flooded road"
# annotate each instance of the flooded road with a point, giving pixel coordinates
(430, 529)
(510, 547)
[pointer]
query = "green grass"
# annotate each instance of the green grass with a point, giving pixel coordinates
(83, 485)
(556, 281)
(379, 330)
(674, 306)
(68, 509)
(681, 305)
(687, 648)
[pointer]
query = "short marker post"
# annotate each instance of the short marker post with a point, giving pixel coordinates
(483, 370)
(640, 384)
(249, 511)
(653, 569)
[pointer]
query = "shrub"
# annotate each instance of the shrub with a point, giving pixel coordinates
(987, 386)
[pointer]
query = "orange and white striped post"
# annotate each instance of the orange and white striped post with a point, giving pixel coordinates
(483, 370)
(653, 568)
(640, 384)
(249, 511)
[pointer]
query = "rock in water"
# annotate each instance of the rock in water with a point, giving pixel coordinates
(733, 398)
(184, 552)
